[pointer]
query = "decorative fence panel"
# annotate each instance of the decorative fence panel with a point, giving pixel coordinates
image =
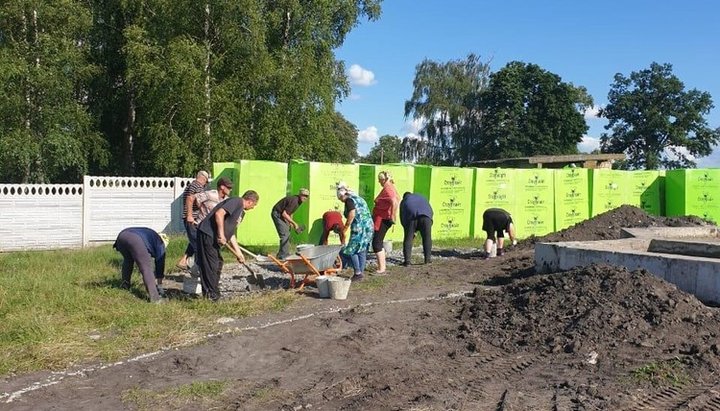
(40, 216)
(48, 216)
(115, 203)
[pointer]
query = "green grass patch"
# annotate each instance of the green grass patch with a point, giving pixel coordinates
(201, 394)
(662, 373)
(371, 283)
(454, 243)
(62, 308)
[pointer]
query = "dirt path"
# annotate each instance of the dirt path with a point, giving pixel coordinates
(592, 338)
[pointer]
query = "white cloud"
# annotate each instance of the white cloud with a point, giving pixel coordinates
(588, 144)
(592, 112)
(671, 151)
(711, 161)
(413, 126)
(368, 135)
(360, 76)
(354, 97)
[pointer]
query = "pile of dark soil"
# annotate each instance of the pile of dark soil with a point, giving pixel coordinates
(608, 225)
(618, 316)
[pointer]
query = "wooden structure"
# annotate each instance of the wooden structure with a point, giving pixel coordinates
(561, 161)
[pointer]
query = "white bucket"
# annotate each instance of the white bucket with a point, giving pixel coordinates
(323, 286)
(387, 245)
(339, 287)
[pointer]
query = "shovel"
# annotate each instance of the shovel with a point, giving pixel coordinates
(260, 258)
(254, 279)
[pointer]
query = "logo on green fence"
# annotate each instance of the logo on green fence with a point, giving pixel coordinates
(535, 201)
(536, 180)
(495, 195)
(451, 203)
(705, 178)
(535, 221)
(573, 193)
(706, 198)
(453, 182)
(498, 174)
(572, 214)
(449, 225)
(611, 186)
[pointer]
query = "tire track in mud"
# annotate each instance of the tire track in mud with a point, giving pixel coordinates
(679, 398)
(495, 389)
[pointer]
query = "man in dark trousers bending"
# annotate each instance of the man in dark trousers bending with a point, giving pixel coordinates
(141, 245)
(416, 214)
(281, 215)
(496, 222)
(218, 230)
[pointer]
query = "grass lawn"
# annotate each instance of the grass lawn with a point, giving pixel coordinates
(63, 308)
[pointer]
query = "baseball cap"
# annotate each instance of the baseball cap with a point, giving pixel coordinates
(304, 192)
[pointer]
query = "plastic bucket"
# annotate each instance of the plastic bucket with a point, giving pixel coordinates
(323, 286)
(387, 245)
(338, 287)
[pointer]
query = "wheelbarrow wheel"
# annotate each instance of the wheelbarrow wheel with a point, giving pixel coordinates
(338, 263)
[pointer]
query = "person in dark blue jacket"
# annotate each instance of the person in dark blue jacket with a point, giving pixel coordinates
(140, 245)
(416, 214)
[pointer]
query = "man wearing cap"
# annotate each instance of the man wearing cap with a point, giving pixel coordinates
(190, 214)
(207, 200)
(140, 245)
(282, 217)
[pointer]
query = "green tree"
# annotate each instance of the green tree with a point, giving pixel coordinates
(655, 121)
(344, 135)
(46, 132)
(388, 149)
(445, 97)
(414, 150)
(530, 111)
(215, 81)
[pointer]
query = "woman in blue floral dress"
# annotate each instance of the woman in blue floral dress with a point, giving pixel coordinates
(359, 220)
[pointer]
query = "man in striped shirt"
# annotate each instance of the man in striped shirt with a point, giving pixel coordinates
(190, 214)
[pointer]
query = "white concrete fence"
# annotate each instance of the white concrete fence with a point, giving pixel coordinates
(49, 216)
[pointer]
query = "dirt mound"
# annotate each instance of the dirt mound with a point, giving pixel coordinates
(610, 311)
(608, 225)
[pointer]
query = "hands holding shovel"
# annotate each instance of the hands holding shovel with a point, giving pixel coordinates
(234, 247)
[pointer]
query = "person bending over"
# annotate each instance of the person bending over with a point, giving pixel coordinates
(496, 222)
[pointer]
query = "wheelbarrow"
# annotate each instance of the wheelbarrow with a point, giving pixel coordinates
(317, 260)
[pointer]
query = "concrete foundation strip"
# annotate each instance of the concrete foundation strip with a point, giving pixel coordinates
(57, 377)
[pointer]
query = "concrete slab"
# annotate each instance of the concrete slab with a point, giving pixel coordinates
(693, 266)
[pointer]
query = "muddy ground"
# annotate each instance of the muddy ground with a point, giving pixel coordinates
(461, 333)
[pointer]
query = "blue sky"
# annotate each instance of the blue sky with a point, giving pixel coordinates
(583, 42)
